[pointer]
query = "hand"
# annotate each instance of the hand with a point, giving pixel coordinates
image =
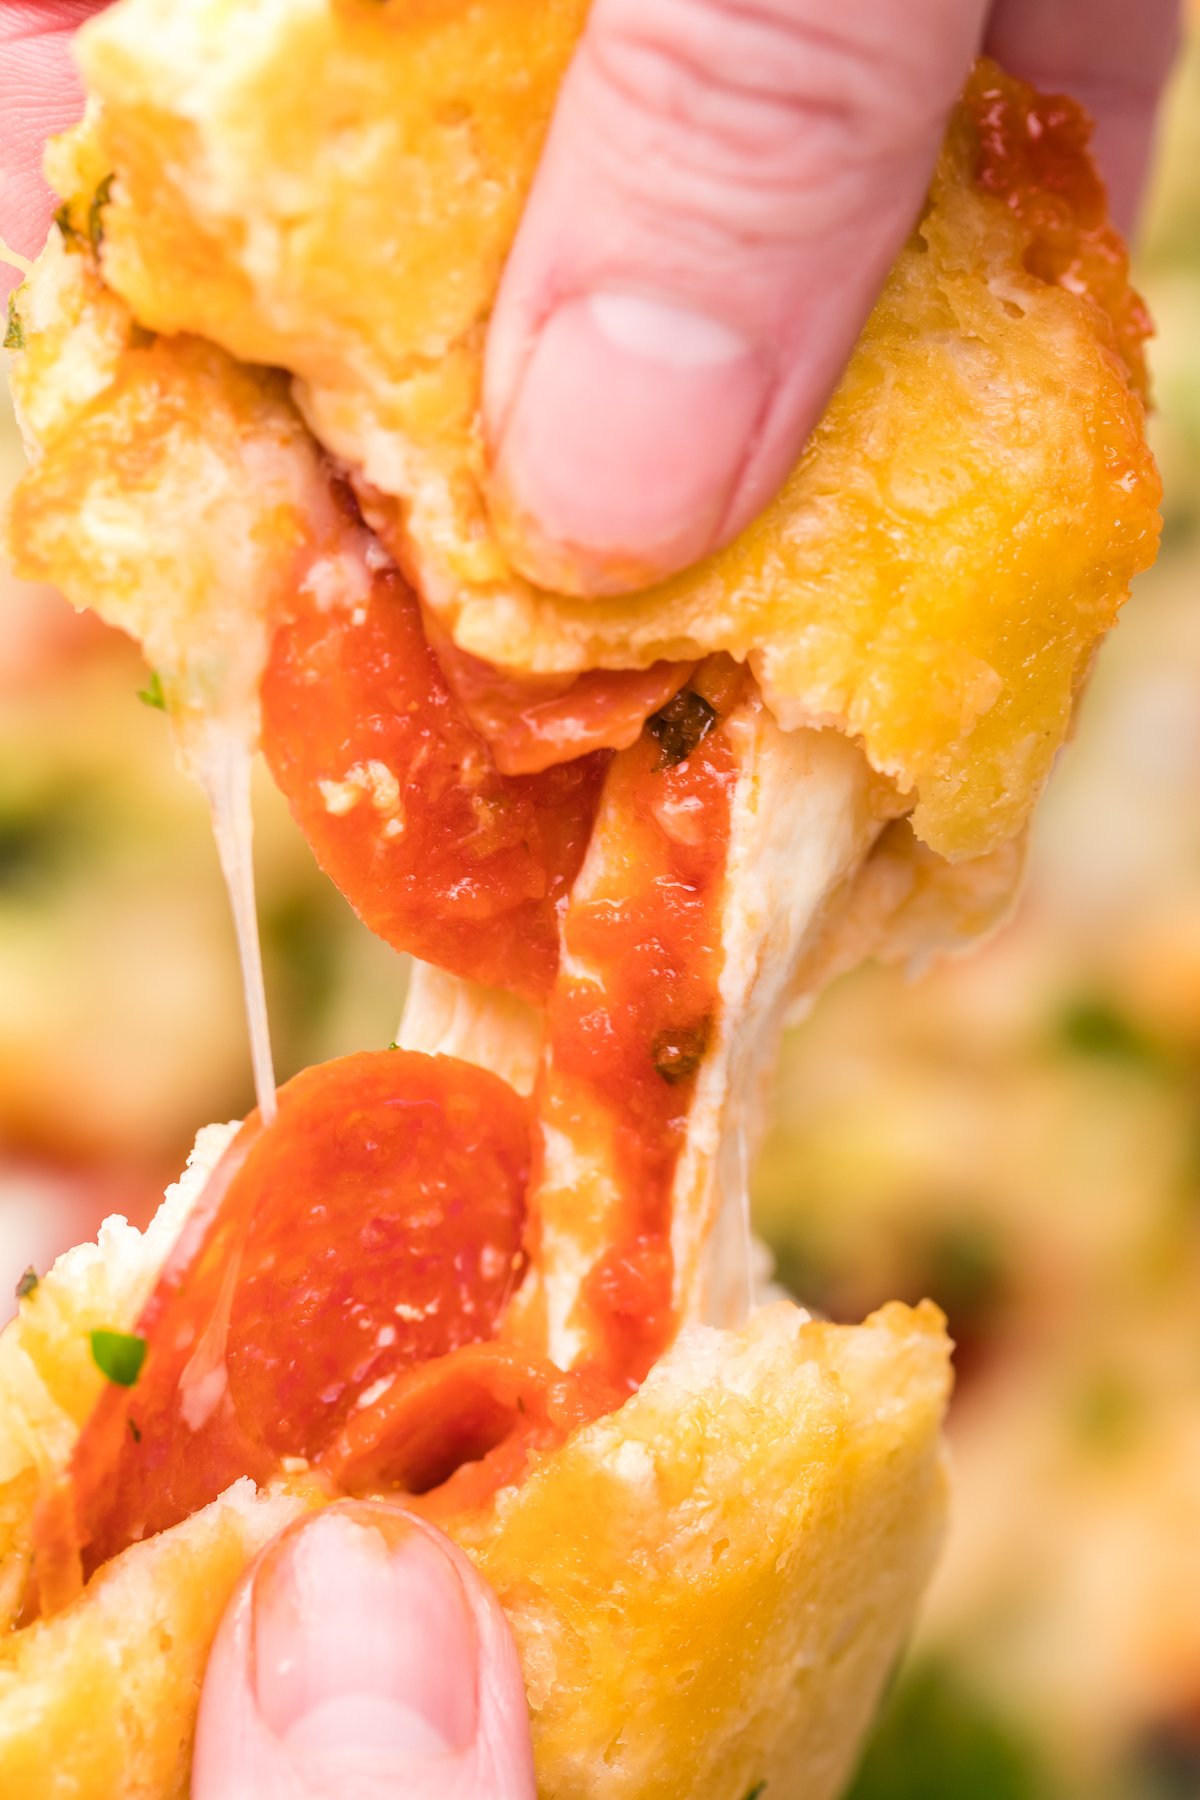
(39, 95)
(363, 1658)
(725, 185)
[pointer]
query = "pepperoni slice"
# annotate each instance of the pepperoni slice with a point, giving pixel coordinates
(375, 1224)
(402, 801)
(458, 1429)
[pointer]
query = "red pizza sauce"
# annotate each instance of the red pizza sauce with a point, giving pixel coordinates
(401, 799)
(627, 1036)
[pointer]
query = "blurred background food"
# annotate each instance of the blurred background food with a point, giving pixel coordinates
(1017, 1135)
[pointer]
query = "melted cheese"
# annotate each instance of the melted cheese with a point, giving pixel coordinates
(179, 496)
(221, 764)
(803, 819)
(445, 1016)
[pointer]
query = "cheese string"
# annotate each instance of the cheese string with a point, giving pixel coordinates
(221, 764)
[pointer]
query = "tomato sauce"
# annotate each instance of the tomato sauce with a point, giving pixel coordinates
(333, 1297)
(1033, 155)
(374, 1226)
(627, 1034)
(401, 799)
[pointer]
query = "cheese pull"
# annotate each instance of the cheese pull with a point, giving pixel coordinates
(627, 838)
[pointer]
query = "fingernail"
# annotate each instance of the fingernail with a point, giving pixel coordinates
(625, 440)
(364, 1648)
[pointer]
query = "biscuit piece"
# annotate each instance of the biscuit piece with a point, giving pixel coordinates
(174, 491)
(332, 186)
(707, 1587)
(99, 1703)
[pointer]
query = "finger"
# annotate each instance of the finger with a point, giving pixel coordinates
(363, 1659)
(1112, 56)
(40, 95)
(723, 189)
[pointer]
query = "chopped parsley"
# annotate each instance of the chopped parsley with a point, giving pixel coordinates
(679, 726)
(95, 215)
(14, 336)
(62, 218)
(678, 1051)
(152, 694)
(760, 1787)
(119, 1355)
(28, 1283)
(135, 1431)
(393, 1045)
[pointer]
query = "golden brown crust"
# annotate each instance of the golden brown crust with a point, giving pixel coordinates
(172, 490)
(99, 1703)
(709, 1588)
(744, 1541)
(936, 595)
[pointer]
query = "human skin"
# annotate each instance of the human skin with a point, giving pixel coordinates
(725, 185)
(363, 1658)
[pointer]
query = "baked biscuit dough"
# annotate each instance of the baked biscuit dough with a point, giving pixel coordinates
(176, 492)
(99, 1703)
(331, 186)
(707, 1588)
(710, 1587)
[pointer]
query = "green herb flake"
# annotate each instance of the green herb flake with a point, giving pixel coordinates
(152, 694)
(679, 726)
(393, 1045)
(678, 1051)
(119, 1355)
(135, 1431)
(28, 1283)
(14, 336)
(95, 215)
(62, 218)
(760, 1787)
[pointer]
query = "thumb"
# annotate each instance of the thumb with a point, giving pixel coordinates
(41, 95)
(363, 1658)
(723, 189)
